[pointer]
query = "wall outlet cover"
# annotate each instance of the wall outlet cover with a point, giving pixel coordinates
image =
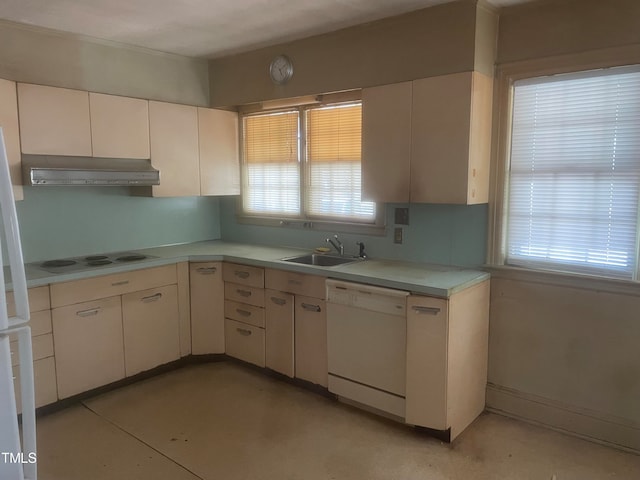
(397, 235)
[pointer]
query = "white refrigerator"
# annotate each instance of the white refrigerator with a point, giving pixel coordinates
(17, 455)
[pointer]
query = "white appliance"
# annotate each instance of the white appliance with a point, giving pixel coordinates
(367, 345)
(17, 459)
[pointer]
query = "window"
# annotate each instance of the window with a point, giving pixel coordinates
(305, 163)
(574, 175)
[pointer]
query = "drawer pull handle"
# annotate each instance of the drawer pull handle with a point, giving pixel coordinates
(151, 298)
(206, 270)
(243, 331)
(425, 310)
(295, 282)
(241, 274)
(311, 308)
(244, 313)
(88, 313)
(244, 293)
(278, 301)
(117, 284)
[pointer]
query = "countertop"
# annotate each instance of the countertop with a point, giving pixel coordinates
(428, 279)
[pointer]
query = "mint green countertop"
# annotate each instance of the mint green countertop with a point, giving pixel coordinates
(428, 279)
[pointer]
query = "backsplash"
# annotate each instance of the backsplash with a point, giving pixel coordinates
(60, 222)
(443, 234)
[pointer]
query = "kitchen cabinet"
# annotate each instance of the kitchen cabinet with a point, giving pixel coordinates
(219, 152)
(184, 308)
(244, 312)
(428, 141)
(150, 327)
(207, 308)
(279, 328)
(173, 135)
(311, 340)
(89, 347)
(119, 126)
(447, 349)
(54, 121)
(10, 131)
(44, 367)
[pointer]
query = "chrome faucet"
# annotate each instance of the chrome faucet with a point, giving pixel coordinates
(337, 244)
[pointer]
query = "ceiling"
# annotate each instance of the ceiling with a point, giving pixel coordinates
(206, 28)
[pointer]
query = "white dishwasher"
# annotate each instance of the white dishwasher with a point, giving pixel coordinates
(367, 344)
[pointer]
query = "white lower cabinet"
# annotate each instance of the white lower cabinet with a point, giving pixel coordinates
(207, 307)
(244, 342)
(89, 346)
(151, 331)
(311, 340)
(44, 379)
(279, 341)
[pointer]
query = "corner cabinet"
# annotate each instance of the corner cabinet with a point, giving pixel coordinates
(428, 141)
(10, 130)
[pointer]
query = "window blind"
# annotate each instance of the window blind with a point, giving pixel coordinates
(272, 164)
(333, 176)
(574, 176)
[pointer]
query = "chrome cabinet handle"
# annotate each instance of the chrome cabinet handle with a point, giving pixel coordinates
(151, 298)
(241, 274)
(278, 301)
(88, 313)
(311, 308)
(116, 284)
(243, 331)
(244, 293)
(425, 310)
(206, 270)
(244, 313)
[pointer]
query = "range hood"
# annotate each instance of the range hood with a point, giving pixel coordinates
(49, 170)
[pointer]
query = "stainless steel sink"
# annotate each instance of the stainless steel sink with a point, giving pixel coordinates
(321, 260)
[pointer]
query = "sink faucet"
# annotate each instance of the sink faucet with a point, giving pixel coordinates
(337, 244)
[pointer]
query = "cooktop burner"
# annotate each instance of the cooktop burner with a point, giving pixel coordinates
(76, 264)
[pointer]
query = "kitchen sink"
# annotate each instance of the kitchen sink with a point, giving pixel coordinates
(321, 260)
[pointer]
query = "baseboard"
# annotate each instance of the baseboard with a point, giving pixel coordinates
(588, 424)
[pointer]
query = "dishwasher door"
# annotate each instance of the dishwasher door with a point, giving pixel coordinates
(366, 343)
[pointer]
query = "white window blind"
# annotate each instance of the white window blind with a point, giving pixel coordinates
(333, 185)
(272, 164)
(574, 175)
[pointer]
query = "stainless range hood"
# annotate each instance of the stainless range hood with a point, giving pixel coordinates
(49, 170)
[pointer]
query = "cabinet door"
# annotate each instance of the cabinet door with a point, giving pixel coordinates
(279, 341)
(219, 157)
(44, 380)
(245, 342)
(54, 121)
(386, 142)
(311, 340)
(119, 126)
(427, 336)
(88, 344)
(151, 332)
(173, 133)
(9, 124)
(207, 308)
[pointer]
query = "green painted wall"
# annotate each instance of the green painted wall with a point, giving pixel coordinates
(443, 234)
(60, 222)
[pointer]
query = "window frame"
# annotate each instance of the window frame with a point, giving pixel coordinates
(506, 75)
(305, 221)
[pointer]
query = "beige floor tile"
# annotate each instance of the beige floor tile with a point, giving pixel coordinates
(226, 421)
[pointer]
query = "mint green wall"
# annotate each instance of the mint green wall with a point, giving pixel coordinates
(444, 234)
(59, 222)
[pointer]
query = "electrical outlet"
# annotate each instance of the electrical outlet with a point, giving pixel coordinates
(397, 235)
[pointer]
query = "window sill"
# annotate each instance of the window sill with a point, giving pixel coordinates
(564, 279)
(320, 225)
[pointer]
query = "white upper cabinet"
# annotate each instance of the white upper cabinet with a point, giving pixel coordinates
(428, 141)
(9, 124)
(119, 126)
(54, 121)
(173, 131)
(219, 157)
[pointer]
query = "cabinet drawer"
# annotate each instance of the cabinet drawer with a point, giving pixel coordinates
(245, 342)
(244, 313)
(297, 283)
(105, 286)
(243, 275)
(40, 324)
(42, 347)
(38, 300)
(44, 379)
(244, 294)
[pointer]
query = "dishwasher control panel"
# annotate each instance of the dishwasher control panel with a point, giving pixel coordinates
(367, 297)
